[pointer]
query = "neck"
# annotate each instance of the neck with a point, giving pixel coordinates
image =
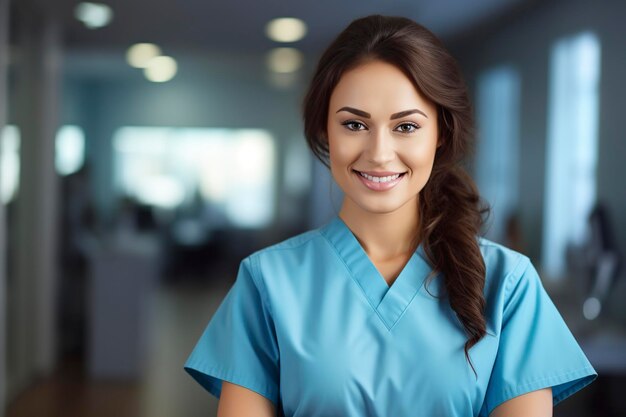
(383, 235)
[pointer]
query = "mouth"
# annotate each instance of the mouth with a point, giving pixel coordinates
(379, 181)
(380, 177)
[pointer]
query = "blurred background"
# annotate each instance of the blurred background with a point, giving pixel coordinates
(148, 146)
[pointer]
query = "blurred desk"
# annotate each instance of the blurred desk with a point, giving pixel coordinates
(603, 339)
(123, 271)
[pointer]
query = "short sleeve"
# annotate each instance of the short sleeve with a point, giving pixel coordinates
(239, 343)
(536, 349)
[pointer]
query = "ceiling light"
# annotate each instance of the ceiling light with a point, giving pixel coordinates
(160, 69)
(140, 54)
(282, 81)
(93, 15)
(285, 29)
(284, 60)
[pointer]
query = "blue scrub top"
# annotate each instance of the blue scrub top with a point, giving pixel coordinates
(312, 325)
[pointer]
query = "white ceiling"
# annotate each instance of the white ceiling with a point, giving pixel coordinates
(236, 27)
(238, 24)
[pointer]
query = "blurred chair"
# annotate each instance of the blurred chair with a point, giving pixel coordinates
(595, 267)
(596, 263)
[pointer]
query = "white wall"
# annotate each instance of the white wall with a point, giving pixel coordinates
(33, 293)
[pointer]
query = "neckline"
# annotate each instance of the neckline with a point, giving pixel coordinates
(389, 301)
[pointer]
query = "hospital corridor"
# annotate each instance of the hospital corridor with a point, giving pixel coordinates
(157, 156)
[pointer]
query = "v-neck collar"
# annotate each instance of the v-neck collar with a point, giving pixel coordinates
(389, 302)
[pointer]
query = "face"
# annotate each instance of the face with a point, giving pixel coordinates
(382, 138)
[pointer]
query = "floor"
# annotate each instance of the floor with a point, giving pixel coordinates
(178, 314)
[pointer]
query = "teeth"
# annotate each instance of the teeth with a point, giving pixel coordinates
(380, 179)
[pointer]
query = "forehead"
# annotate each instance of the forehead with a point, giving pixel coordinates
(377, 86)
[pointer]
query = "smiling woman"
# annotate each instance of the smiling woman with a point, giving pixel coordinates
(383, 160)
(397, 306)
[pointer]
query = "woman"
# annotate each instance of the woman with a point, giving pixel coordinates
(396, 307)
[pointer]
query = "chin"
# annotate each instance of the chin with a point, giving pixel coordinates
(380, 207)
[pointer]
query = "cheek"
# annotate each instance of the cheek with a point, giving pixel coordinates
(420, 157)
(343, 151)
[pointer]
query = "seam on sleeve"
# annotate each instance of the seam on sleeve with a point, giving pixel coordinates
(255, 273)
(508, 393)
(586, 376)
(509, 281)
(209, 377)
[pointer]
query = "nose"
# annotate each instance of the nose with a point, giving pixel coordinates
(380, 150)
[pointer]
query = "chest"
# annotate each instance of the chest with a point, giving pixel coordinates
(340, 354)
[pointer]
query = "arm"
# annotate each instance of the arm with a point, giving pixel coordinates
(236, 400)
(536, 404)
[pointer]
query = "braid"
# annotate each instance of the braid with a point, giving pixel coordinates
(452, 219)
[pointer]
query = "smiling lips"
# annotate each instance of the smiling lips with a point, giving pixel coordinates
(380, 181)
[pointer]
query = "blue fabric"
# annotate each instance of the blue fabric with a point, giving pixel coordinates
(312, 325)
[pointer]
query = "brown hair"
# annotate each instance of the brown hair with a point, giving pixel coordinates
(451, 210)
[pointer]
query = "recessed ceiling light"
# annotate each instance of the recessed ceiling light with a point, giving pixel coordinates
(284, 60)
(93, 15)
(285, 29)
(140, 54)
(161, 69)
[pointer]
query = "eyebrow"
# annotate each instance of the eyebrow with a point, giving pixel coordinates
(393, 116)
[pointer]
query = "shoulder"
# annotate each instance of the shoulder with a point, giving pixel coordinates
(287, 267)
(504, 266)
(288, 253)
(500, 257)
(291, 245)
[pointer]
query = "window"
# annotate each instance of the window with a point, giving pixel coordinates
(70, 149)
(571, 153)
(9, 177)
(69, 156)
(497, 168)
(231, 170)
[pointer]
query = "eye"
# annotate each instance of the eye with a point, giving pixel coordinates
(408, 127)
(353, 123)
